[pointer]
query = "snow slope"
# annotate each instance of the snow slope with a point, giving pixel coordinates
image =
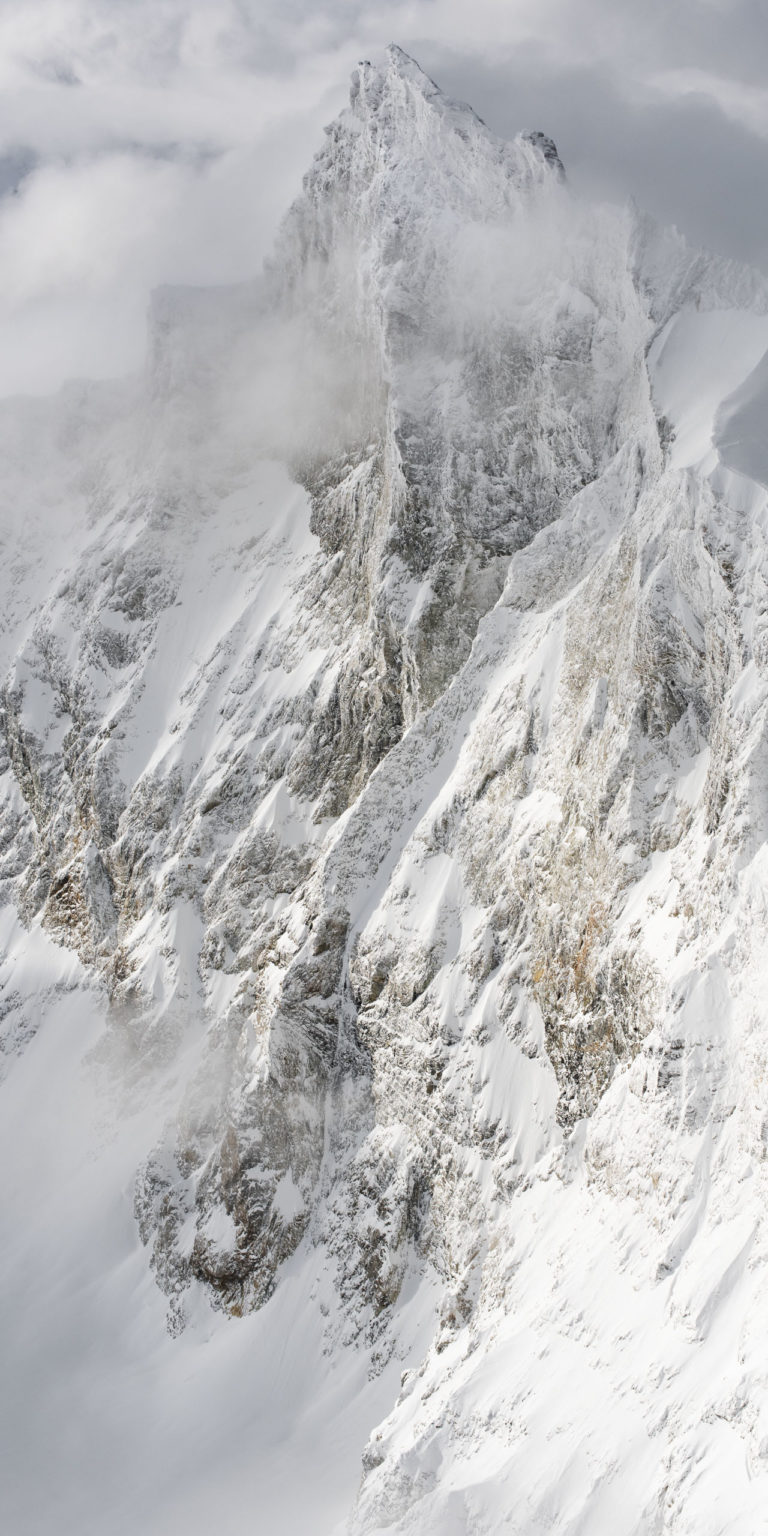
(382, 847)
(109, 1423)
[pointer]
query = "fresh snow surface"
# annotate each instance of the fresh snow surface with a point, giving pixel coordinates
(701, 360)
(740, 428)
(383, 879)
(107, 1424)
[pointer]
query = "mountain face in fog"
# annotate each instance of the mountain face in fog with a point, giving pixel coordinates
(384, 803)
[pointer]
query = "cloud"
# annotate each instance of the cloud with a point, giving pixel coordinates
(677, 154)
(83, 242)
(738, 100)
(139, 145)
(158, 141)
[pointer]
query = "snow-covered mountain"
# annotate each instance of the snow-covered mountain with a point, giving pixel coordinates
(384, 1099)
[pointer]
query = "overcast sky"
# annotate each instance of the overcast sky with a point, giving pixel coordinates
(151, 141)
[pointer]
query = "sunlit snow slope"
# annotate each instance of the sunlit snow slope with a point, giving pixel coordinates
(383, 804)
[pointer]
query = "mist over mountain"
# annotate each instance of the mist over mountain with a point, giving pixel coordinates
(383, 812)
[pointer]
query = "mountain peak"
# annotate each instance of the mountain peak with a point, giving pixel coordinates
(401, 64)
(403, 109)
(402, 167)
(402, 80)
(409, 69)
(383, 876)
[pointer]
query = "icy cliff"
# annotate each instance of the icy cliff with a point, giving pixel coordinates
(384, 793)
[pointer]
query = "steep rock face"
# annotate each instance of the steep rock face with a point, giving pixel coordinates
(451, 398)
(464, 346)
(408, 802)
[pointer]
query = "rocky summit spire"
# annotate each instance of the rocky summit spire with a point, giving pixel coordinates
(403, 239)
(414, 250)
(400, 99)
(403, 169)
(401, 65)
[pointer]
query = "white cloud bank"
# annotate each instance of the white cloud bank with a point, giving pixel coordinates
(158, 141)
